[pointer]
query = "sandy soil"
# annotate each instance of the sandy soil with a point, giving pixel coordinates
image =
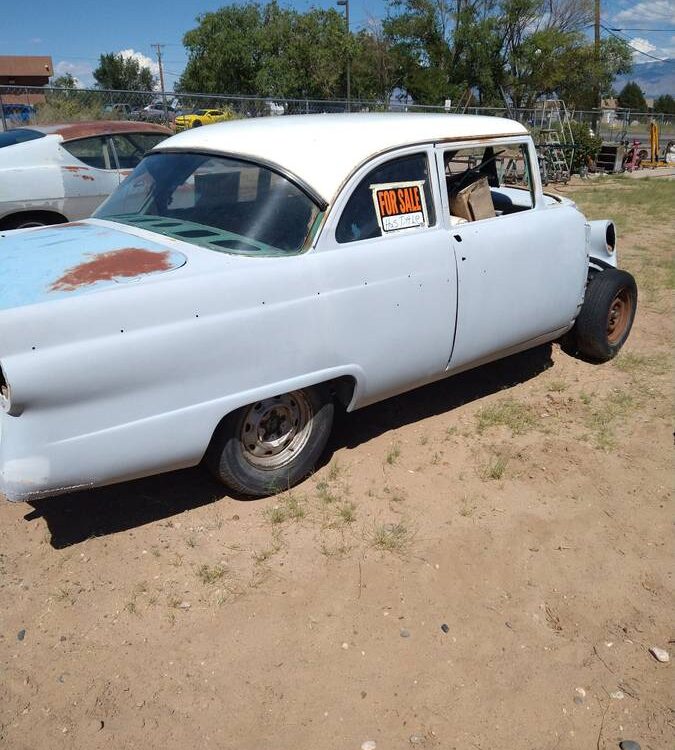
(483, 563)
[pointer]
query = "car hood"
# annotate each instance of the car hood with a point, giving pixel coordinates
(40, 265)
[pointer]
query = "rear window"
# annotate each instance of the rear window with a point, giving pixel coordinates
(221, 203)
(19, 135)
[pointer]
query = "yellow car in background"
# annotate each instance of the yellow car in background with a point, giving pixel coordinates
(201, 117)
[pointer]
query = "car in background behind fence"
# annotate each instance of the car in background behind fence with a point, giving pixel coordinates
(200, 117)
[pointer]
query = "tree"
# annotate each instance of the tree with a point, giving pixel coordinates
(665, 104)
(267, 50)
(376, 69)
(524, 49)
(588, 76)
(66, 81)
(632, 97)
(123, 73)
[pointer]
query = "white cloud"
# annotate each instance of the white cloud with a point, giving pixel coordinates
(142, 59)
(82, 72)
(655, 53)
(659, 12)
(642, 45)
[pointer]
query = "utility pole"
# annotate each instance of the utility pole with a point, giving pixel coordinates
(2, 113)
(597, 92)
(158, 47)
(345, 3)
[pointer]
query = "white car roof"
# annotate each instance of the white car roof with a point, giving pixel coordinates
(323, 150)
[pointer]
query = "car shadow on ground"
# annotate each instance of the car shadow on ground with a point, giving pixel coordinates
(76, 517)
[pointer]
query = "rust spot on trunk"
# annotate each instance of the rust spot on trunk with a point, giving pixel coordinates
(75, 169)
(126, 262)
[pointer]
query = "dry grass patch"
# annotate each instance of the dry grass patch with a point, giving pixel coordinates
(643, 364)
(495, 467)
(209, 574)
(347, 513)
(291, 508)
(605, 415)
(391, 537)
(393, 454)
(516, 416)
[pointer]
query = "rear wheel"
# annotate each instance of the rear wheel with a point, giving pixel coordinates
(271, 444)
(606, 316)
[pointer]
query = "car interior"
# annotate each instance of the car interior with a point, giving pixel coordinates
(475, 180)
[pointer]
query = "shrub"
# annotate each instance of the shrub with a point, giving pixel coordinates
(586, 144)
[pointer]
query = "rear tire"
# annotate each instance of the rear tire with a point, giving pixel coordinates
(606, 316)
(272, 444)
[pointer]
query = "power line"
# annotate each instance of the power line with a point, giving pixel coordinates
(628, 41)
(654, 31)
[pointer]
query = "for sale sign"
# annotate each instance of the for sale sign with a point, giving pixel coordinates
(400, 205)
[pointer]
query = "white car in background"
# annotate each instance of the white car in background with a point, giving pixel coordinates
(251, 275)
(50, 174)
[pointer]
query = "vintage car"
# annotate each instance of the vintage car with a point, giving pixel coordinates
(50, 174)
(250, 277)
(199, 117)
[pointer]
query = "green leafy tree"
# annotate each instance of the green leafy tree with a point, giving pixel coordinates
(523, 49)
(589, 78)
(123, 73)
(665, 104)
(376, 69)
(267, 50)
(632, 97)
(224, 53)
(66, 81)
(420, 32)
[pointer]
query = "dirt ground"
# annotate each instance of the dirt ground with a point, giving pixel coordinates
(482, 563)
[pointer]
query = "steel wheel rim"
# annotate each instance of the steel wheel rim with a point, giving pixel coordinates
(618, 316)
(274, 431)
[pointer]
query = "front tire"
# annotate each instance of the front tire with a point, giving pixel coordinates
(606, 316)
(197, 124)
(271, 444)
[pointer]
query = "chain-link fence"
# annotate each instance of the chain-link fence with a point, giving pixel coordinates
(21, 105)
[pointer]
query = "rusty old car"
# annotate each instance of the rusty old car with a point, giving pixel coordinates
(51, 174)
(251, 277)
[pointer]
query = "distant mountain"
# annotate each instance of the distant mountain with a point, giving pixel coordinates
(654, 78)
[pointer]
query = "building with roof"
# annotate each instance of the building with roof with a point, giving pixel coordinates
(18, 70)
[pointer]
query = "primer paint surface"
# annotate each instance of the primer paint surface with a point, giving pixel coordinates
(70, 259)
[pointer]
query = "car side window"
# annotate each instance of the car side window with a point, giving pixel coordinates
(131, 147)
(484, 182)
(395, 195)
(94, 152)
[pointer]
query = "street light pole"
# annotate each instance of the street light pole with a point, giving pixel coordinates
(345, 3)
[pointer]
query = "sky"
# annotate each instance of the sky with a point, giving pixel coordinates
(76, 33)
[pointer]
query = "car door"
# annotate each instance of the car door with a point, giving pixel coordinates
(386, 276)
(90, 174)
(521, 264)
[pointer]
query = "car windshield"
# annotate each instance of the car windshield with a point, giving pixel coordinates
(198, 111)
(217, 202)
(20, 135)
